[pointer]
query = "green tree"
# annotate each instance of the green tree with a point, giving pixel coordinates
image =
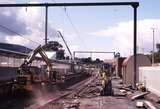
(52, 46)
(158, 47)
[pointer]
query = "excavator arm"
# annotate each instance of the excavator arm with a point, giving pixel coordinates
(32, 57)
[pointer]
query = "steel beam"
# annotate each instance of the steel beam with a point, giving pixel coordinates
(91, 52)
(70, 4)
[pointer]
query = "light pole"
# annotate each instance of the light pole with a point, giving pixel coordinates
(153, 30)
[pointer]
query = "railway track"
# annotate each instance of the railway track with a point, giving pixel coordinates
(83, 88)
(71, 92)
(40, 97)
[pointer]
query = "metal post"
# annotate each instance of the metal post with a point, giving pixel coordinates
(91, 55)
(74, 55)
(46, 25)
(114, 54)
(135, 44)
(153, 30)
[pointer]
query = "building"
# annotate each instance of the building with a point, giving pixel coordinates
(118, 66)
(11, 57)
(150, 77)
(128, 69)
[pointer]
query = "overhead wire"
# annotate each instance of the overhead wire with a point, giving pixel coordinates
(72, 24)
(74, 27)
(20, 35)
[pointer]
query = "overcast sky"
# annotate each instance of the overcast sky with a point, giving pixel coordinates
(92, 28)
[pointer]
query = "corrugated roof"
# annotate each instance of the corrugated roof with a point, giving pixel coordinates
(14, 48)
(125, 62)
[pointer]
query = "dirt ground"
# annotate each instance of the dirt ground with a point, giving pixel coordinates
(100, 103)
(87, 101)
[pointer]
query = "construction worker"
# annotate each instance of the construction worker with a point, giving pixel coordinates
(106, 84)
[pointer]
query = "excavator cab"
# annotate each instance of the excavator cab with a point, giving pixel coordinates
(24, 79)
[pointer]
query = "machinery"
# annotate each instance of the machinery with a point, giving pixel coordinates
(63, 70)
(27, 75)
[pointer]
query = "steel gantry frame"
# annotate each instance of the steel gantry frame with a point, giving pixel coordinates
(91, 52)
(133, 4)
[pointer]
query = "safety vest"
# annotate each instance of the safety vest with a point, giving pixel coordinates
(104, 79)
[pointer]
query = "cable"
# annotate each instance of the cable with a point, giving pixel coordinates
(72, 24)
(20, 35)
(74, 27)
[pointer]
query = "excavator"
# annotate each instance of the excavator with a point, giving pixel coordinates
(27, 76)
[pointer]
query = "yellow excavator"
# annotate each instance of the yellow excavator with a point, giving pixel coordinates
(26, 75)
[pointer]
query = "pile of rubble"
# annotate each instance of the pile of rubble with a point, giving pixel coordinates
(143, 99)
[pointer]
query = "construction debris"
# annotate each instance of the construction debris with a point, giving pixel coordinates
(152, 97)
(141, 87)
(139, 95)
(71, 105)
(119, 93)
(149, 105)
(122, 90)
(139, 104)
(127, 88)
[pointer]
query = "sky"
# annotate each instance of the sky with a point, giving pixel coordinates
(84, 28)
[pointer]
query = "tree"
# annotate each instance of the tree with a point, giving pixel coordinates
(55, 46)
(97, 61)
(117, 55)
(158, 47)
(67, 57)
(156, 54)
(52, 46)
(86, 60)
(60, 54)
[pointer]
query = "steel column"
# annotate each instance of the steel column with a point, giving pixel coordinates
(135, 43)
(46, 25)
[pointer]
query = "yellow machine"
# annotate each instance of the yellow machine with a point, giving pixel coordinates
(141, 87)
(26, 78)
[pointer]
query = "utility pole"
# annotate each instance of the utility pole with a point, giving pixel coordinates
(46, 25)
(91, 55)
(153, 30)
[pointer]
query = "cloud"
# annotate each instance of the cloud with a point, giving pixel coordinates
(7, 1)
(71, 40)
(8, 18)
(28, 22)
(122, 35)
